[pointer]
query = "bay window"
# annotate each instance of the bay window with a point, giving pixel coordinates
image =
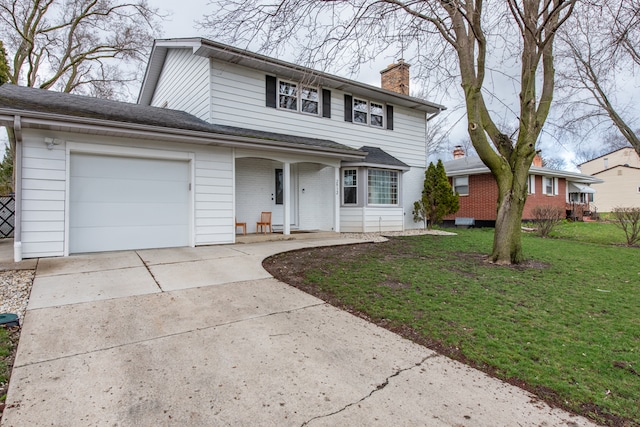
(382, 187)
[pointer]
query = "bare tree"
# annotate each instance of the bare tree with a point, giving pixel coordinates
(556, 163)
(437, 135)
(458, 34)
(4, 66)
(85, 46)
(612, 141)
(597, 50)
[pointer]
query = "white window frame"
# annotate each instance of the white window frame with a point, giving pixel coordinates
(456, 185)
(301, 97)
(554, 185)
(394, 186)
(531, 184)
(304, 98)
(354, 173)
(370, 110)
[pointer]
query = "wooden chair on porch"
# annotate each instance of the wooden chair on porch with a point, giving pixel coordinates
(243, 225)
(264, 223)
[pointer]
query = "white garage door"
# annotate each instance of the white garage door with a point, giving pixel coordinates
(121, 203)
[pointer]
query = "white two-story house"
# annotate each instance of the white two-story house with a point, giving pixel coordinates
(219, 135)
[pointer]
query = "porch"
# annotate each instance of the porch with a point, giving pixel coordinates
(279, 236)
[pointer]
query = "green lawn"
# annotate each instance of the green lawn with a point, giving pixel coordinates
(568, 324)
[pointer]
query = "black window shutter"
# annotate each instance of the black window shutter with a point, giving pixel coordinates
(326, 103)
(390, 117)
(348, 108)
(271, 91)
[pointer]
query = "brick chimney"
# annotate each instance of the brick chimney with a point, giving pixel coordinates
(396, 77)
(458, 152)
(537, 161)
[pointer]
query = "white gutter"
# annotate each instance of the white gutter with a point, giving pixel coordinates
(17, 189)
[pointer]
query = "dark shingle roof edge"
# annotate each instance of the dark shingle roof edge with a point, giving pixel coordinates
(378, 157)
(26, 99)
(473, 165)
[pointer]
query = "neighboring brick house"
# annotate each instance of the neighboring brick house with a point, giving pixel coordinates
(620, 172)
(479, 191)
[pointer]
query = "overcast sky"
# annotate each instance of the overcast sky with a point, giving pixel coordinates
(180, 22)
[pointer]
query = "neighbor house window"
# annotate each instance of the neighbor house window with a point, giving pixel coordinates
(295, 97)
(549, 186)
(383, 187)
(461, 185)
(531, 184)
(350, 187)
(368, 113)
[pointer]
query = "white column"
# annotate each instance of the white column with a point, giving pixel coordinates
(336, 201)
(286, 198)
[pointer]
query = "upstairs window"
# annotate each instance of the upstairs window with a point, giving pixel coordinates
(295, 97)
(288, 96)
(461, 185)
(368, 113)
(310, 100)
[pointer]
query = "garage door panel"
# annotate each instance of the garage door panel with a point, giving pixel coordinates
(112, 214)
(122, 190)
(125, 238)
(121, 203)
(130, 168)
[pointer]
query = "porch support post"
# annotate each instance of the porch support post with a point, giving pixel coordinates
(286, 198)
(336, 201)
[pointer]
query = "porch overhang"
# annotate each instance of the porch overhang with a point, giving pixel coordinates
(580, 188)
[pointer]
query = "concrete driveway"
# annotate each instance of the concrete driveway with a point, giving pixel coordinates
(206, 337)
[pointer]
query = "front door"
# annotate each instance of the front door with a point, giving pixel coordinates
(277, 197)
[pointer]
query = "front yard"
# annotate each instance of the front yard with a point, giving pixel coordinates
(566, 325)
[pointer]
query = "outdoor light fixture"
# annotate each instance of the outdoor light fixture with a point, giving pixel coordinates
(51, 142)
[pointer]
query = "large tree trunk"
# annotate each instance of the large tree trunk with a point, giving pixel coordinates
(507, 242)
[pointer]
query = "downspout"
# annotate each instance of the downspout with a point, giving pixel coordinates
(17, 189)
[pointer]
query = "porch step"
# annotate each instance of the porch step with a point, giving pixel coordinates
(275, 236)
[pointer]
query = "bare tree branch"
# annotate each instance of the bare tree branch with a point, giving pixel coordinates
(73, 45)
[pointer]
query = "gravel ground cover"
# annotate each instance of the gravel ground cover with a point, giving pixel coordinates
(15, 287)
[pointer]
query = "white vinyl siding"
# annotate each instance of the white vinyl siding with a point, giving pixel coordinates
(371, 219)
(43, 198)
(214, 196)
(184, 84)
(239, 92)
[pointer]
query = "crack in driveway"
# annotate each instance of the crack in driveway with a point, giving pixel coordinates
(372, 392)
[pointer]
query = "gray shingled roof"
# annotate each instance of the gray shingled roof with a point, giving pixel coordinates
(378, 156)
(473, 165)
(28, 99)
